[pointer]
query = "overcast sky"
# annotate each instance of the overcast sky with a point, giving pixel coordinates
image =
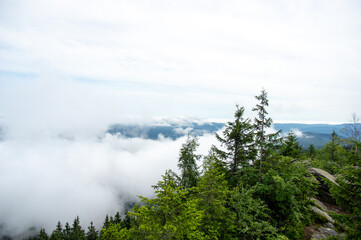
(106, 61)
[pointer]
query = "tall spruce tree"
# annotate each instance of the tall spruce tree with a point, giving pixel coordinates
(92, 233)
(57, 233)
(77, 232)
(311, 151)
(43, 235)
(237, 139)
(264, 142)
(212, 195)
(67, 231)
(290, 146)
(187, 163)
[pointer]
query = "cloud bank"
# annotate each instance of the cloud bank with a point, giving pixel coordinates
(53, 178)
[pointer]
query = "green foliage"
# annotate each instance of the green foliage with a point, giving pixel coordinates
(238, 141)
(115, 232)
(187, 163)
(43, 235)
(67, 232)
(332, 157)
(57, 233)
(264, 143)
(92, 233)
(311, 152)
(252, 216)
(171, 215)
(348, 194)
(348, 224)
(290, 146)
(286, 187)
(77, 232)
(212, 194)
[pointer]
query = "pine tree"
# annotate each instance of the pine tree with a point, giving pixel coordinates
(212, 194)
(43, 235)
(106, 222)
(67, 232)
(92, 233)
(290, 146)
(311, 152)
(117, 218)
(57, 233)
(77, 233)
(264, 142)
(187, 163)
(238, 141)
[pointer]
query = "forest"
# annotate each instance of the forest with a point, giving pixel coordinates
(256, 185)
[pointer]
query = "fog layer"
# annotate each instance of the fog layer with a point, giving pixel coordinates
(51, 177)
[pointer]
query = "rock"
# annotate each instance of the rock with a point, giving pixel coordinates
(323, 233)
(319, 172)
(329, 225)
(319, 204)
(323, 178)
(322, 214)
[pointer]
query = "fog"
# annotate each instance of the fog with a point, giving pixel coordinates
(48, 177)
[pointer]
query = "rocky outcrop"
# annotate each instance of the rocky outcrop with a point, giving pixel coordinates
(323, 214)
(317, 172)
(323, 204)
(323, 180)
(324, 233)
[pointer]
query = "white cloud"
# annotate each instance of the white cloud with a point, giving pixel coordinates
(50, 179)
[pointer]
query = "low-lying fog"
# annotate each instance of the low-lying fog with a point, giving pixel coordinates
(52, 177)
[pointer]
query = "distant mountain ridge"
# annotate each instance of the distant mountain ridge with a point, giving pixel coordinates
(311, 128)
(168, 130)
(316, 134)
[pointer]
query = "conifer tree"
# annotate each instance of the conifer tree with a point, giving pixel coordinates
(237, 139)
(77, 233)
(43, 235)
(311, 152)
(264, 142)
(187, 163)
(67, 232)
(92, 233)
(290, 146)
(212, 195)
(106, 222)
(117, 218)
(57, 233)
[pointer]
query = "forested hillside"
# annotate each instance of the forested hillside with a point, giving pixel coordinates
(257, 185)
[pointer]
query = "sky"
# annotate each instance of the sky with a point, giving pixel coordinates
(112, 61)
(68, 69)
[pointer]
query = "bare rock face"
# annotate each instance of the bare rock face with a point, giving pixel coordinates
(317, 172)
(322, 214)
(323, 233)
(323, 178)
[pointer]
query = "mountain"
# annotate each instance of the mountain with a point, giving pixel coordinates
(171, 130)
(316, 134)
